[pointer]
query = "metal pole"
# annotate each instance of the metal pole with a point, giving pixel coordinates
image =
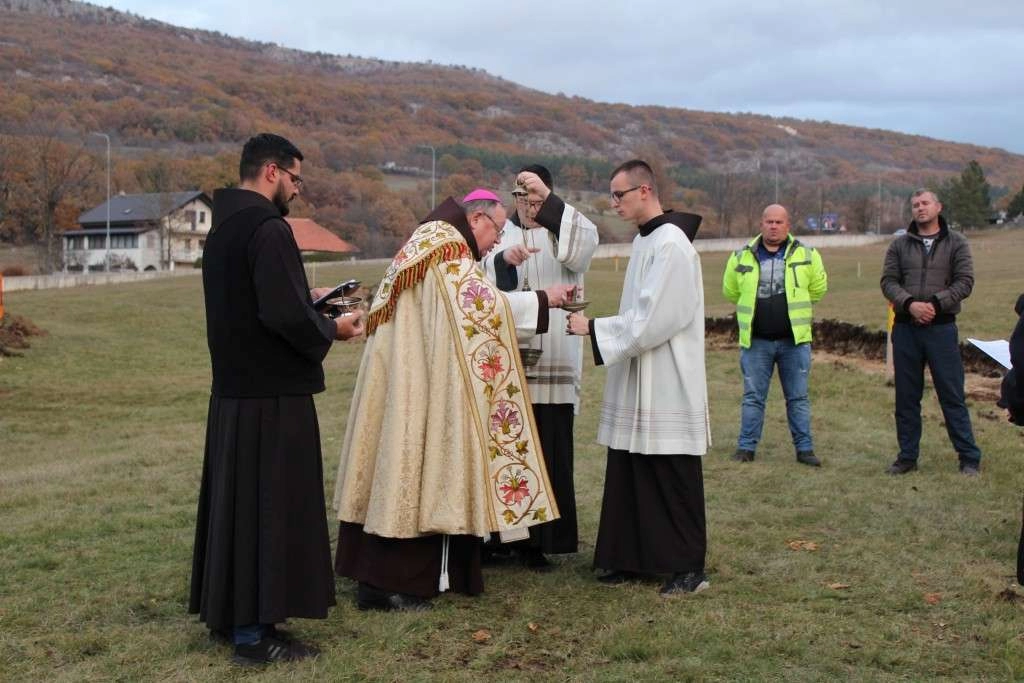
(878, 218)
(433, 174)
(107, 138)
(776, 183)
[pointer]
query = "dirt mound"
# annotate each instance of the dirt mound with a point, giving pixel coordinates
(14, 333)
(846, 339)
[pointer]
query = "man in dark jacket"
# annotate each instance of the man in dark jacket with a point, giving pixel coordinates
(262, 552)
(927, 273)
(1012, 399)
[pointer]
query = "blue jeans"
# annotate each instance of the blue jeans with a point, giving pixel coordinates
(757, 364)
(247, 635)
(937, 346)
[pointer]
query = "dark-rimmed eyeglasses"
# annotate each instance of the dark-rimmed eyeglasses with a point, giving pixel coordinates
(617, 195)
(497, 228)
(535, 205)
(297, 179)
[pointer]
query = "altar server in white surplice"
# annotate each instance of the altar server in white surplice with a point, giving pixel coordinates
(654, 417)
(546, 243)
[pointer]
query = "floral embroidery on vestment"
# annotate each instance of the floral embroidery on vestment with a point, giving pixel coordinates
(481, 322)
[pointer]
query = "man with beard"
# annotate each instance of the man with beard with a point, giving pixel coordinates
(441, 449)
(548, 243)
(262, 552)
(927, 273)
(654, 417)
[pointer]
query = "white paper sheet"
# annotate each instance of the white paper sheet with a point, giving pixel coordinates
(998, 350)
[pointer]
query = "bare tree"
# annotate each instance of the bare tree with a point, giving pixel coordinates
(860, 213)
(754, 192)
(51, 172)
(8, 228)
(157, 176)
(722, 190)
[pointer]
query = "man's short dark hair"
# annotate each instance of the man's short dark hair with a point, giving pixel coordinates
(264, 149)
(543, 173)
(639, 172)
(926, 190)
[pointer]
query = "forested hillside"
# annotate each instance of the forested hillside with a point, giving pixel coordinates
(177, 104)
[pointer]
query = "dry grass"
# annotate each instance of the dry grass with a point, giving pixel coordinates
(101, 430)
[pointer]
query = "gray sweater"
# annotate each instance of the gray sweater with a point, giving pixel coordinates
(944, 276)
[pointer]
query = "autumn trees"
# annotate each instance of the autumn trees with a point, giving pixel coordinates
(42, 181)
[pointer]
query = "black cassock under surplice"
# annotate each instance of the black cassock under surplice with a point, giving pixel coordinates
(652, 514)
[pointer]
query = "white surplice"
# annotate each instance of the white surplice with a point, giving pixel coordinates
(561, 261)
(655, 399)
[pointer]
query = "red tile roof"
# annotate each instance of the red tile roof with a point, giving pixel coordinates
(313, 237)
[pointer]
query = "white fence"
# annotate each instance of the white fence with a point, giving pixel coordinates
(733, 243)
(618, 250)
(61, 280)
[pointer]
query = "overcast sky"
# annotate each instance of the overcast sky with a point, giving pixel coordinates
(945, 69)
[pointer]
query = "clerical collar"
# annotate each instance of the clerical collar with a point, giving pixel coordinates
(450, 212)
(687, 222)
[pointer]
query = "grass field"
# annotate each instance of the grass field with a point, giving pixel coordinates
(911, 578)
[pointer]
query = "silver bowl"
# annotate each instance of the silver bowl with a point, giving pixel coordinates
(342, 305)
(574, 306)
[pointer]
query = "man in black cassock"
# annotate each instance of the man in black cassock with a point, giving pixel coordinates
(262, 552)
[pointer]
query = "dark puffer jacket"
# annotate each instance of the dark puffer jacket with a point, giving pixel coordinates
(944, 276)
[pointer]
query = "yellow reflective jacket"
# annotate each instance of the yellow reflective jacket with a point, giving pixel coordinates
(806, 282)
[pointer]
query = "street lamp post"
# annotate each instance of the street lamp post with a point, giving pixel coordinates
(878, 218)
(433, 174)
(107, 138)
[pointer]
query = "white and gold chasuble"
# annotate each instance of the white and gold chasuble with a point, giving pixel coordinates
(441, 437)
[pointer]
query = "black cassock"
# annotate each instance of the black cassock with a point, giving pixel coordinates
(262, 550)
(652, 514)
(555, 426)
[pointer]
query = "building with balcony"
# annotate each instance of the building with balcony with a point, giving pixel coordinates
(157, 231)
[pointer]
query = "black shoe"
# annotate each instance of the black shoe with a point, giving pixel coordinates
(272, 631)
(901, 467)
(535, 560)
(269, 650)
(495, 555)
(808, 458)
(743, 455)
(970, 469)
(617, 578)
(685, 582)
(368, 597)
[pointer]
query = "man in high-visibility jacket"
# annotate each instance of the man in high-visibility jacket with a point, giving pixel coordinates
(774, 281)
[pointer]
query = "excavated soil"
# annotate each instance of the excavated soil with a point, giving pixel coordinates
(857, 346)
(15, 331)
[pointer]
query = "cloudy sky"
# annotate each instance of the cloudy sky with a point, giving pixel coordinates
(945, 69)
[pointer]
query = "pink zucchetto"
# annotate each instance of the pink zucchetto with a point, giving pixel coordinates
(481, 194)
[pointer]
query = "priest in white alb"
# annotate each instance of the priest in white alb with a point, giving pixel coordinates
(654, 417)
(548, 242)
(441, 449)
